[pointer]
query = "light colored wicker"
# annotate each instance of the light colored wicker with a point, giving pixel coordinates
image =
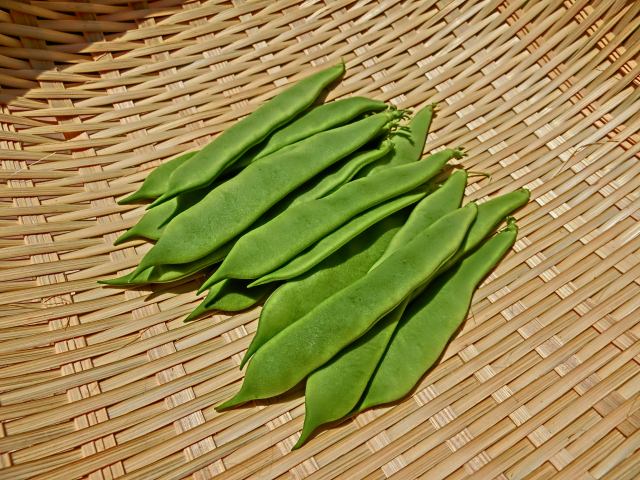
(100, 383)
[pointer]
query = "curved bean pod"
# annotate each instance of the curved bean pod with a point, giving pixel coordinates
(157, 181)
(154, 221)
(341, 174)
(408, 142)
(490, 214)
(230, 296)
(430, 321)
(299, 296)
(235, 205)
(169, 272)
(318, 119)
(329, 395)
(335, 323)
(336, 239)
(268, 247)
(444, 200)
(204, 167)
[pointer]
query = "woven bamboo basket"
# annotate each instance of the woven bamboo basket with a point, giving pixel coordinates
(96, 382)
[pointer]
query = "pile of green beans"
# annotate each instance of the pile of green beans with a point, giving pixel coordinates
(361, 250)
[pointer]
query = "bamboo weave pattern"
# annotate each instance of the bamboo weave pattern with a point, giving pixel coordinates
(99, 383)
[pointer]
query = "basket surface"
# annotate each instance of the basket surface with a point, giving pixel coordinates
(98, 382)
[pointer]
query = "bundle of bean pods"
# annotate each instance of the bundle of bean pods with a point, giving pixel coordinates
(361, 248)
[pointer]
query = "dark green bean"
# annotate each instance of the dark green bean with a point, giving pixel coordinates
(430, 321)
(336, 239)
(204, 167)
(335, 323)
(235, 205)
(157, 181)
(230, 296)
(408, 143)
(154, 221)
(299, 296)
(169, 272)
(268, 247)
(329, 396)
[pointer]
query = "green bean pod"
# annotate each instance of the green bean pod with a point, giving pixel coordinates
(299, 296)
(330, 395)
(442, 201)
(204, 167)
(490, 214)
(323, 117)
(270, 246)
(235, 205)
(335, 323)
(154, 221)
(431, 320)
(408, 142)
(230, 296)
(351, 370)
(157, 181)
(340, 174)
(169, 272)
(336, 239)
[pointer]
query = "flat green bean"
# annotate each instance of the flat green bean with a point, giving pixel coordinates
(340, 174)
(295, 298)
(430, 321)
(330, 395)
(230, 296)
(270, 246)
(300, 295)
(336, 239)
(314, 339)
(154, 221)
(408, 143)
(444, 200)
(157, 181)
(204, 167)
(169, 272)
(235, 205)
(350, 371)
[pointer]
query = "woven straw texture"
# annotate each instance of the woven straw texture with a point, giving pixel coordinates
(101, 383)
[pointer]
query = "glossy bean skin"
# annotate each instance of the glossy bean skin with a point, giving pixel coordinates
(169, 272)
(351, 370)
(230, 296)
(235, 205)
(334, 389)
(204, 167)
(298, 296)
(408, 143)
(157, 181)
(444, 200)
(270, 246)
(314, 339)
(341, 173)
(490, 214)
(154, 221)
(323, 117)
(336, 239)
(430, 321)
